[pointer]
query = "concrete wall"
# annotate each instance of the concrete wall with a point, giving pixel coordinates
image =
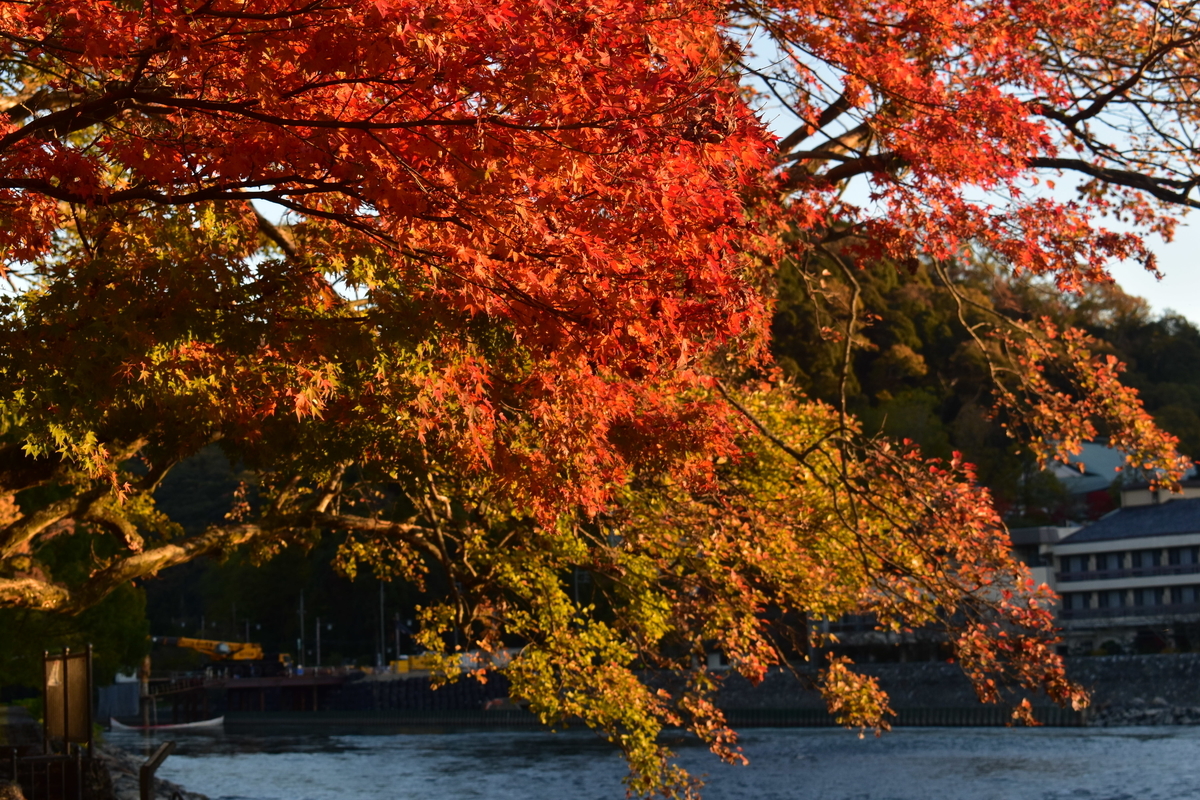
(1130, 688)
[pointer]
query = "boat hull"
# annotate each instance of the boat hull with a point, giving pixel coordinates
(216, 722)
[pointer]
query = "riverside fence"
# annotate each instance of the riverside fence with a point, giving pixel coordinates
(47, 777)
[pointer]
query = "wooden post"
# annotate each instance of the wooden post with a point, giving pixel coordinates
(144, 689)
(147, 770)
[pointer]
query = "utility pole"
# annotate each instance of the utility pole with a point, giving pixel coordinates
(318, 642)
(381, 656)
(397, 634)
(144, 699)
(300, 655)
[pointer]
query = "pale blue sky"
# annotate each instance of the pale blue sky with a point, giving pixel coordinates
(1179, 261)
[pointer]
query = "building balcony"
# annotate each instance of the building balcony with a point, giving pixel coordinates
(1134, 572)
(1161, 610)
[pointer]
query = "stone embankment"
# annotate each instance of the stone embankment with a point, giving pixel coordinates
(1126, 690)
(1141, 690)
(1139, 712)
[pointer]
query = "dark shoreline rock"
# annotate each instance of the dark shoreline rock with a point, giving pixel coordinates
(123, 769)
(1119, 716)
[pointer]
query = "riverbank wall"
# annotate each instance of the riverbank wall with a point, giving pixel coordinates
(1125, 690)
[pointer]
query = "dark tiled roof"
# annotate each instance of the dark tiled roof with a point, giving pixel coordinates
(1164, 519)
(1186, 483)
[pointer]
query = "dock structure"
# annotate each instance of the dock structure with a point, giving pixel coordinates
(195, 698)
(295, 693)
(192, 698)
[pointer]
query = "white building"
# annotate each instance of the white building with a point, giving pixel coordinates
(1130, 580)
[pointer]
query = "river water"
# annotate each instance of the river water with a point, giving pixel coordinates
(1161, 763)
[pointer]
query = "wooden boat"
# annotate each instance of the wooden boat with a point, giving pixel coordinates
(215, 722)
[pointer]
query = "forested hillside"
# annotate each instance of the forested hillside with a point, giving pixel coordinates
(917, 373)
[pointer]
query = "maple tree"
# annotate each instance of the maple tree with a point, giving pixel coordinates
(485, 288)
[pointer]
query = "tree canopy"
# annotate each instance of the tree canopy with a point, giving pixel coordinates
(486, 289)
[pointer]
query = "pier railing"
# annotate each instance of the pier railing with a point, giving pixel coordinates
(47, 777)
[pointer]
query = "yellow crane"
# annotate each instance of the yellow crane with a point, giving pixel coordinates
(214, 649)
(243, 659)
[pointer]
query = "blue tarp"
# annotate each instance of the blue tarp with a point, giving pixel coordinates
(118, 700)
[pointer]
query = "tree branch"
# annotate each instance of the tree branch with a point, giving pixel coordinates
(114, 520)
(19, 533)
(272, 232)
(47, 596)
(800, 456)
(1167, 189)
(831, 112)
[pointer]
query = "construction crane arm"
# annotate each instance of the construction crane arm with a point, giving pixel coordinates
(214, 649)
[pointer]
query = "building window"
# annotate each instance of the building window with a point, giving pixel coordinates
(1112, 599)
(1182, 557)
(1074, 600)
(1144, 559)
(1072, 564)
(1109, 561)
(1148, 597)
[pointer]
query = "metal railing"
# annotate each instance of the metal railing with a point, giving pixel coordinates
(1131, 572)
(47, 777)
(62, 777)
(1159, 610)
